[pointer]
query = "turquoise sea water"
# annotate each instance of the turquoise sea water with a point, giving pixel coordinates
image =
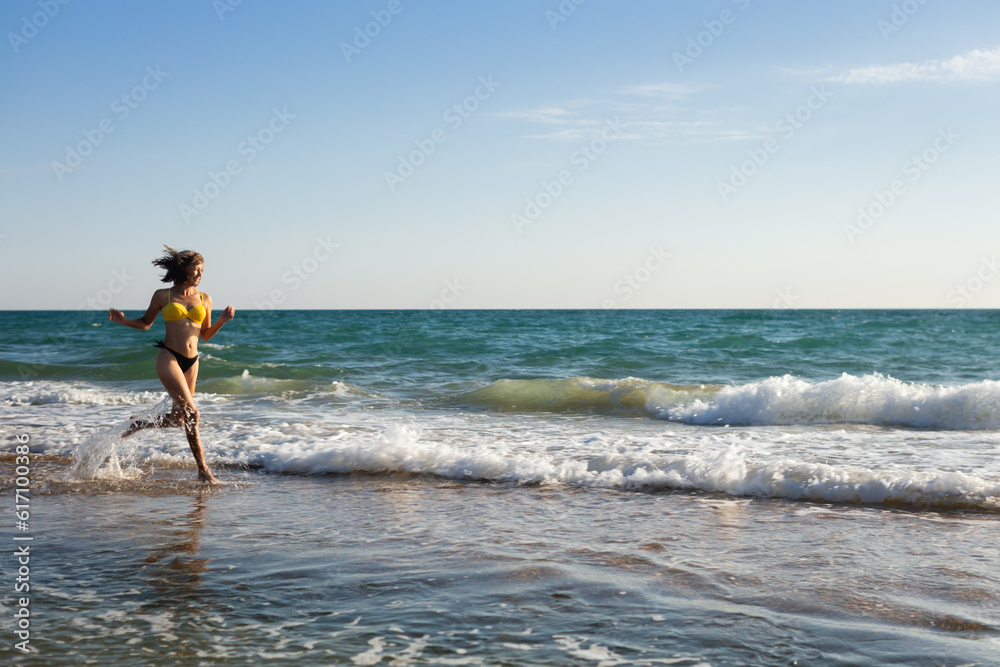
(517, 487)
(682, 347)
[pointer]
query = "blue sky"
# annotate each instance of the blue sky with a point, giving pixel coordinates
(518, 154)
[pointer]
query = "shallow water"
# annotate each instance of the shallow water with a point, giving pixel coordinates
(401, 569)
(543, 488)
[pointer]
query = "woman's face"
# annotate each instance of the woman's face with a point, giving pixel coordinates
(194, 273)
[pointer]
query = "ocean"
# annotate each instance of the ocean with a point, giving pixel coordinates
(611, 487)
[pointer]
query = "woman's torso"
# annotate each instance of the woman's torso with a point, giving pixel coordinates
(183, 316)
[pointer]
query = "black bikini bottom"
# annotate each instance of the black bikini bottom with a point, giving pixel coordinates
(184, 362)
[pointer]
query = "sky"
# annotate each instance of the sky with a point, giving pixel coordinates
(516, 154)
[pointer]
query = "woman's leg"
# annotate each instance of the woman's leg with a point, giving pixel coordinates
(169, 420)
(180, 386)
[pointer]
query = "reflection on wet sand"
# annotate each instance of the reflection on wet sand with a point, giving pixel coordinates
(175, 570)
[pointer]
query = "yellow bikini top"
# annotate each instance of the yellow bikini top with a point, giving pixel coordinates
(175, 311)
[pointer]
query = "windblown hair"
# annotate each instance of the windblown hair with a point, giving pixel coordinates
(175, 263)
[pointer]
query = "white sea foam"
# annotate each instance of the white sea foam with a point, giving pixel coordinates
(871, 399)
(733, 469)
(856, 464)
(252, 384)
(248, 384)
(40, 393)
(51, 393)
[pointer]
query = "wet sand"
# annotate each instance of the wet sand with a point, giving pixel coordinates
(404, 569)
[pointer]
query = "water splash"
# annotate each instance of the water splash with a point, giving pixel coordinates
(101, 455)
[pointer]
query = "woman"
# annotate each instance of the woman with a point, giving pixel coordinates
(187, 314)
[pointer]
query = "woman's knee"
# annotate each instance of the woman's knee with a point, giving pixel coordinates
(190, 414)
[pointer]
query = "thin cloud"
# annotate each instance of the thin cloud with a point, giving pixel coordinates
(542, 115)
(578, 129)
(976, 65)
(649, 111)
(814, 72)
(565, 134)
(670, 91)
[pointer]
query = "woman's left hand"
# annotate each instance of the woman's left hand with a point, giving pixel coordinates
(227, 314)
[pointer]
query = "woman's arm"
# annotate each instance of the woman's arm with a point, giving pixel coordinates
(143, 322)
(207, 328)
